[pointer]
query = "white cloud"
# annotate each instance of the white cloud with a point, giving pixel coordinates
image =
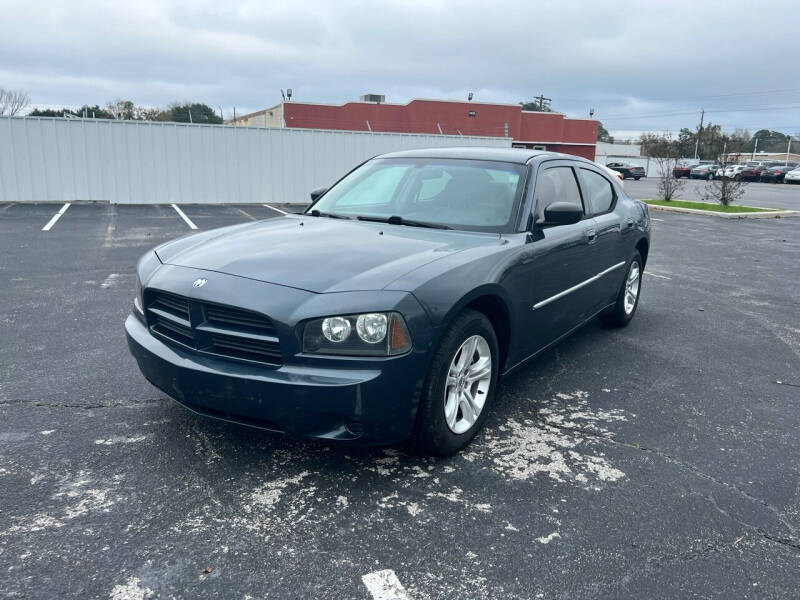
(626, 59)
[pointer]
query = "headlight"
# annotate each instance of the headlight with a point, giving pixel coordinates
(368, 334)
(145, 268)
(138, 301)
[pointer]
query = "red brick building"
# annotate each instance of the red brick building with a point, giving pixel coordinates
(527, 129)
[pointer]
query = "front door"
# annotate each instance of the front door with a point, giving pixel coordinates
(558, 298)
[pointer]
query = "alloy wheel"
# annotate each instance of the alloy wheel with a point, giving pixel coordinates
(468, 380)
(632, 287)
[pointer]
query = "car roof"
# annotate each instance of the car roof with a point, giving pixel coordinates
(512, 155)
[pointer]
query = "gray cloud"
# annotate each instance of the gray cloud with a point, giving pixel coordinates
(624, 58)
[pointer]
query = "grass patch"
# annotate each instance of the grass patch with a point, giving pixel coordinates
(734, 208)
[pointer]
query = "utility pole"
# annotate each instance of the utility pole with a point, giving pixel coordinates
(788, 148)
(699, 129)
(754, 150)
(542, 100)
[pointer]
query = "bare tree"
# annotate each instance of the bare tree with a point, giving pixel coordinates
(12, 102)
(725, 190)
(666, 152)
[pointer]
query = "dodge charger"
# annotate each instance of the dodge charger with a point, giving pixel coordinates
(390, 308)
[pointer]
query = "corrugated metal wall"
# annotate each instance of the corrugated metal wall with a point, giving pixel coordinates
(134, 162)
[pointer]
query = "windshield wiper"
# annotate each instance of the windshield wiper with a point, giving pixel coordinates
(316, 213)
(395, 220)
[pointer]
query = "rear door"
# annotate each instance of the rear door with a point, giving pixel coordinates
(560, 265)
(607, 252)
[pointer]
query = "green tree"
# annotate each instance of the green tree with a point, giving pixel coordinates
(542, 105)
(603, 135)
(193, 112)
(769, 141)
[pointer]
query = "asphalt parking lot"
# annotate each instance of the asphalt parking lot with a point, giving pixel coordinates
(764, 195)
(658, 461)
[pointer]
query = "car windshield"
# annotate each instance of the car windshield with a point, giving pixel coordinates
(459, 194)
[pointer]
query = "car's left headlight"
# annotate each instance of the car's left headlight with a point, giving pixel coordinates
(365, 334)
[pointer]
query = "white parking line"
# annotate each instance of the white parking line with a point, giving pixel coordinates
(654, 219)
(56, 217)
(184, 217)
(247, 214)
(659, 276)
(384, 585)
(6, 207)
(283, 212)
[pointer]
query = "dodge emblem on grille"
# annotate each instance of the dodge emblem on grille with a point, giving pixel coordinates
(199, 282)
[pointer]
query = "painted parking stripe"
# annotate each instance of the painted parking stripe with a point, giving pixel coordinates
(184, 217)
(6, 207)
(384, 585)
(283, 212)
(56, 217)
(246, 214)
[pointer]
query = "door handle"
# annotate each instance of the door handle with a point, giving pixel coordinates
(591, 235)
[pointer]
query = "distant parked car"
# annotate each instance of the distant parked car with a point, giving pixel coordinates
(776, 174)
(704, 171)
(682, 171)
(627, 170)
(753, 170)
(732, 171)
(615, 174)
(792, 176)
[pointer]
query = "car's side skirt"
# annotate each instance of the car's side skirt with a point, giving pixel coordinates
(575, 288)
(555, 341)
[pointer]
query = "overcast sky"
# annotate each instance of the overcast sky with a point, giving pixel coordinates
(634, 62)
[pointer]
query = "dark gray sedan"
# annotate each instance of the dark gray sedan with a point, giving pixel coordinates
(394, 304)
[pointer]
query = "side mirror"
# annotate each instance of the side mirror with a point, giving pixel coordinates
(562, 213)
(317, 192)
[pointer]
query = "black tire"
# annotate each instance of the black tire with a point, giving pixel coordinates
(617, 316)
(431, 432)
(637, 178)
(737, 177)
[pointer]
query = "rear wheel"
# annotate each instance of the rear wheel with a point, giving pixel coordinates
(628, 297)
(459, 388)
(637, 178)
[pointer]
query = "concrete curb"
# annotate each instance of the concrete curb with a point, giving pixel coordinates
(772, 214)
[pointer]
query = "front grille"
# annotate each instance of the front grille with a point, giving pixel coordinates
(209, 328)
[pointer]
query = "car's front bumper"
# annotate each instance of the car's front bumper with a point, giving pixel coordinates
(373, 405)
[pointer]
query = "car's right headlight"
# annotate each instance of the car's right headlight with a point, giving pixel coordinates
(365, 334)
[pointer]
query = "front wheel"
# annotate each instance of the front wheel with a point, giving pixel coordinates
(460, 386)
(637, 178)
(628, 297)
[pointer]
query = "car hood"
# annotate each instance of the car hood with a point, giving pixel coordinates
(319, 254)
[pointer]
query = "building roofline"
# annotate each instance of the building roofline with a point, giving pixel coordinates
(258, 112)
(516, 141)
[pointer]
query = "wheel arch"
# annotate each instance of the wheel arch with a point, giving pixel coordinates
(643, 246)
(493, 302)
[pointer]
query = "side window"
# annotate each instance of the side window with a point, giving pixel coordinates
(597, 190)
(556, 184)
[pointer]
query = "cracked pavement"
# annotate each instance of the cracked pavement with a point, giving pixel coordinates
(658, 461)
